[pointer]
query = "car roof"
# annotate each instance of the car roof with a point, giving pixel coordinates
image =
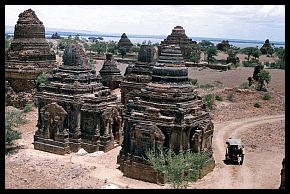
(234, 141)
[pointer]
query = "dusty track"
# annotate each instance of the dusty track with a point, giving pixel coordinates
(249, 174)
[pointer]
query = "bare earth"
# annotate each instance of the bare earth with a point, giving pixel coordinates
(261, 129)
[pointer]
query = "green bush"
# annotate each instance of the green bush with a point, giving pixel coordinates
(136, 49)
(193, 81)
(257, 105)
(266, 97)
(12, 135)
(235, 65)
(277, 65)
(178, 168)
(42, 78)
(206, 86)
(231, 97)
(13, 118)
(91, 63)
(218, 98)
(249, 64)
(209, 100)
(28, 107)
(217, 83)
(244, 85)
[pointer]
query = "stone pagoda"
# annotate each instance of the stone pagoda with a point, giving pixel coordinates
(111, 75)
(28, 56)
(169, 113)
(266, 48)
(125, 43)
(137, 75)
(179, 38)
(75, 110)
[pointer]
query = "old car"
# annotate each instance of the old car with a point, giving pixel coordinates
(234, 151)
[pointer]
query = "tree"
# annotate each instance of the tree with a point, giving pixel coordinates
(263, 76)
(7, 43)
(87, 47)
(135, 49)
(64, 42)
(251, 51)
(211, 52)
(178, 168)
(195, 56)
(41, 79)
(112, 47)
(99, 47)
(232, 52)
(204, 45)
(280, 53)
(122, 51)
(77, 37)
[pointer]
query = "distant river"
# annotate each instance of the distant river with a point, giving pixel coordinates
(240, 44)
(236, 42)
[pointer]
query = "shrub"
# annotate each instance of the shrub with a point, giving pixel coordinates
(12, 135)
(235, 65)
(257, 105)
(122, 51)
(135, 49)
(244, 85)
(13, 118)
(277, 65)
(206, 86)
(217, 83)
(209, 100)
(231, 97)
(91, 63)
(266, 97)
(177, 168)
(218, 98)
(28, 107)
(193, 81)
(249, 64)
(42, 78)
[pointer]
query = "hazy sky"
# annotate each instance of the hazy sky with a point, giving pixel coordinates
(257, 22)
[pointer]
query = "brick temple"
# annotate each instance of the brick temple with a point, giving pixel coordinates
(125, 43)
(111, 75)
(29, 55)
(75, 110)
(179, 38)
(167, 112)
(138, 74)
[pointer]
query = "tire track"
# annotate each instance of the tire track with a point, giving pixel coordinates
(232, 176)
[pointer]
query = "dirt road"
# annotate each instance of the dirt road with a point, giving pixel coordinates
(257, 169)
(30, 168)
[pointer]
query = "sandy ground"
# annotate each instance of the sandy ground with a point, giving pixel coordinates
(261, 129)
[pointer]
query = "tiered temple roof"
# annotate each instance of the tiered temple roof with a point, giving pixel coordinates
(76, 110)
(125, 43)
(179, 38)
(167, 112)
(111, 75)
(28, 56)
(29, 53)
(137, 75)
(266, 48)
